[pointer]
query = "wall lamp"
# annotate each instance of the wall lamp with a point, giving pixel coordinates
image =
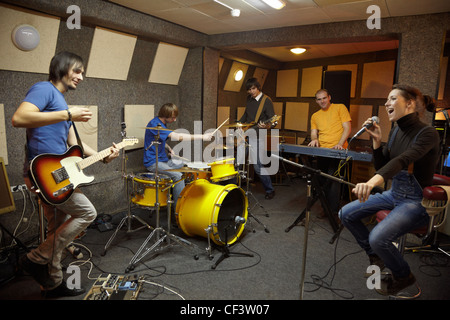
(25, 37)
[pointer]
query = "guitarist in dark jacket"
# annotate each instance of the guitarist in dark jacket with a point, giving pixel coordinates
(48, 120)
(256, 99)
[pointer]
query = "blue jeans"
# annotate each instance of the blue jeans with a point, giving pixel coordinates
(265, 179)
(175, 176)
(407, 213)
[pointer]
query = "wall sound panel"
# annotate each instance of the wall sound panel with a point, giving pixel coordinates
(378, 78)
(261, 75)
(231, 84)
(385, 123)
(296, 116)
(287, 83)
(111, 54)
(6, 199)
(240, 112)
(136, 118)
(3, 145)
(168, 64)
(37, 60)
(223, 112)
(349, 67)
(278, 108)
(311, 81)
(88, 131)
(359, 114)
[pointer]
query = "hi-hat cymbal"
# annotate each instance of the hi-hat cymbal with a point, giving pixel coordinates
(238, 125)
(157, 128)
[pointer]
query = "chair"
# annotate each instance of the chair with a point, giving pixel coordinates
(435, 200)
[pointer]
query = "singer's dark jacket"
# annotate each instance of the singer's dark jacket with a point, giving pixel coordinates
(424, 152)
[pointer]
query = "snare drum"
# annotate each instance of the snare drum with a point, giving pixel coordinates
(144, 189)
(202, 171)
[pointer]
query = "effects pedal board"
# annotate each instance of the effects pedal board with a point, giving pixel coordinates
(115, 287)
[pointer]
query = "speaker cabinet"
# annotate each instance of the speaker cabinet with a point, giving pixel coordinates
(338, 84)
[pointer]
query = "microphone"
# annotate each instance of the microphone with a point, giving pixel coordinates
(363, 129)
(239, 220)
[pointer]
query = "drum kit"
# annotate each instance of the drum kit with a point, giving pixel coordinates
(211, 205)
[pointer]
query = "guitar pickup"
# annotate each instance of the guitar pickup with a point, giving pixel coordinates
(60, 175)
(63, 189)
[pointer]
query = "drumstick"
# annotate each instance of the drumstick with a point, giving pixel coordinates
(220, 126)
(179, 157)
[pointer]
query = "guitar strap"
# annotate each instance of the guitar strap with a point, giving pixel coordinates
(260, 108)
(78, 138)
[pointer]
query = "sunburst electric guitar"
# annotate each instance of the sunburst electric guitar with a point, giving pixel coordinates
(56, 176)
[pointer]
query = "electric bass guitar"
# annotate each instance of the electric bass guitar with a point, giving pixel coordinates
(56, 176)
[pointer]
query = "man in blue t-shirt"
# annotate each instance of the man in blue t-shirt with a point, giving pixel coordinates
(48, 120)
(167, 114)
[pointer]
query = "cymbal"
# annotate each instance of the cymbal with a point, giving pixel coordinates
(238, 125)
(157, 128)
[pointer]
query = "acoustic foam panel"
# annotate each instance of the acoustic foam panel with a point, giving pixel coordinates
(136, 118)
(168, 64)
(88, 131)
(223, 112)
(3, 145)
(296, 116)
(378, 78)
(111, 54)
(37, 60)
(311, 81)
(261, 75)
(287, 83)
(359, 114)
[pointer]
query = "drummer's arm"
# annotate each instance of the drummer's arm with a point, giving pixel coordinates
(178, 136)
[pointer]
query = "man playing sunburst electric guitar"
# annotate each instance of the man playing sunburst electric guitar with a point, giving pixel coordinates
(46, 116)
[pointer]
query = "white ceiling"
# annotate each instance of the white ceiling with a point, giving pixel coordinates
(210, 17)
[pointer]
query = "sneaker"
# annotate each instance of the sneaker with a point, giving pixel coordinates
(270, 195)
(374, 260)
(391, 285)
(62, 291)
(39, 272)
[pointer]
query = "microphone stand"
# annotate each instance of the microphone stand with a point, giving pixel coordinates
(310, 202)
(226, 249)
(128, 216)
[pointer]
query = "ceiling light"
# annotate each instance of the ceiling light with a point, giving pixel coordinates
(298, 50)
(276, 4)
(234, 12)
(238, 75)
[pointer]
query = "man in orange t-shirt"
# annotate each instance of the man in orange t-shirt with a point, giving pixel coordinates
(330, 128)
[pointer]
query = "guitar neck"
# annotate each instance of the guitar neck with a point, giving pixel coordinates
(82, 164)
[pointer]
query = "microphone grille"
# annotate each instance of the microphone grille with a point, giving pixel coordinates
(376, 119)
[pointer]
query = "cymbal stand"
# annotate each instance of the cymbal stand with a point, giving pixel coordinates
(129, 217)
(158, 232)
(247, 190)
(161, 236)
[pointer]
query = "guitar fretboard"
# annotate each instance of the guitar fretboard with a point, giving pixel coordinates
(99, 156)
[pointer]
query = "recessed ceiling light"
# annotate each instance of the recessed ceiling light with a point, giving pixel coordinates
(298, 50)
